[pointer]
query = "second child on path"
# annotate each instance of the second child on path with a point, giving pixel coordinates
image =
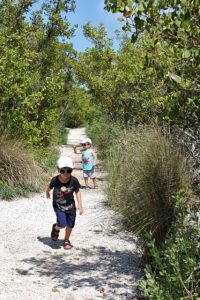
(89, 160)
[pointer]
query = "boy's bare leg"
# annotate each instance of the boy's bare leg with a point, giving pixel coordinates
(68, 231)
(57, 228)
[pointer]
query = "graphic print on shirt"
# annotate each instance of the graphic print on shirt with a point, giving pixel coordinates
(63, 194)
(86, 160)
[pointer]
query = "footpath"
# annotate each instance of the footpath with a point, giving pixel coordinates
(103, 264)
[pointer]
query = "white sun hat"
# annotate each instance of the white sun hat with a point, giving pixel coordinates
(65, 162)
(86, 140)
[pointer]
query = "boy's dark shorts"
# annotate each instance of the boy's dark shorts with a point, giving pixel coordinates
(65, 219)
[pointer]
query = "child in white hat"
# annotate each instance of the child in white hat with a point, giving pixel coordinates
(64, 186)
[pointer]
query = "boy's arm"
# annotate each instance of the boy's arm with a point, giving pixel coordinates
(77, 151)
(48, 192)
(95, 157)
(79, 200)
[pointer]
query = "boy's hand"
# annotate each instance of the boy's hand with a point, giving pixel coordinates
(80, 209)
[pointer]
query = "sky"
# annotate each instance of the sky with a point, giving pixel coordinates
(92, 11)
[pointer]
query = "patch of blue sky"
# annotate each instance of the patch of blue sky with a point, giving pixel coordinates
(90, 11)
(93, 11)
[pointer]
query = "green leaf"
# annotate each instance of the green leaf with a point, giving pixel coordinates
(121, 9)
(120, 19)
(175, 77)
(134, 38)
(140, 7)
(186, 53)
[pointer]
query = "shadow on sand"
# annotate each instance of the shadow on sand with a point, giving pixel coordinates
(98, 268)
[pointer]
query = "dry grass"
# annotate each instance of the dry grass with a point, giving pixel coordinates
(18, 167)
(145, 170)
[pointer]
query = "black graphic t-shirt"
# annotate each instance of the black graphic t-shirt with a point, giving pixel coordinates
(63, 197)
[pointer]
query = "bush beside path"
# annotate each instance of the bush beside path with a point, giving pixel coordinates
(104, 263)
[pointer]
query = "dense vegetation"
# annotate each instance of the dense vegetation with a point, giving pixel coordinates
(130, 100)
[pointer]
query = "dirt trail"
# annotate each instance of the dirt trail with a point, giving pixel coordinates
(102, 265)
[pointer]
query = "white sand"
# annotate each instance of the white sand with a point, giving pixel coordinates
(102, 265)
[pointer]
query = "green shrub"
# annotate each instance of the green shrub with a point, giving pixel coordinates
(144, 171)
(78, 108)
(174, 270)
(47, 158)
(103, 135)
(62, 133)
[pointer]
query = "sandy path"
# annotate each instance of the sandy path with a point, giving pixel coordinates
(102, 265)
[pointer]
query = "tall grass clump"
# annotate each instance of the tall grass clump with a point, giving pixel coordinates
(145, 170)
(19, 172)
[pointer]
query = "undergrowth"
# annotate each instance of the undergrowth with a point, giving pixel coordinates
(174, 270)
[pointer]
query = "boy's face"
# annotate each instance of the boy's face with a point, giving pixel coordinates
(65, 172)
(86, 145)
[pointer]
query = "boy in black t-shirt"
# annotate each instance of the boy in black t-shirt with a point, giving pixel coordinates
(64, 186)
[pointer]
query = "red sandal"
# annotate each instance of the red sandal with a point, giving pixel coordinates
(67, 245)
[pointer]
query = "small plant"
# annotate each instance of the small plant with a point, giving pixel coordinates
(9, 192)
